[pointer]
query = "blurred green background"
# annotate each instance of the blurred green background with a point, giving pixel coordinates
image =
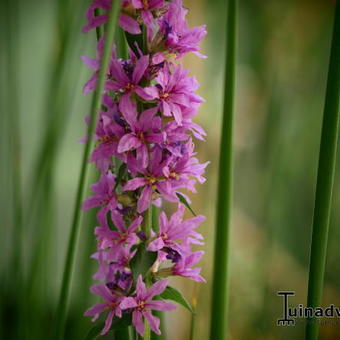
(281, 75)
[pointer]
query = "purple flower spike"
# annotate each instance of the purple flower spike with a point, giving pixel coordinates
(145, 153)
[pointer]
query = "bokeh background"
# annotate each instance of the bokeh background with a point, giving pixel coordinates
(283, 50)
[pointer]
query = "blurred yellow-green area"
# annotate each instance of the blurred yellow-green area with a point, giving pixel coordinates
(283, 52)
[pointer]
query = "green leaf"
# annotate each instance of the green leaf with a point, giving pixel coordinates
(94, 331)
(185, 202)
(117, 323)
(121, 172)
(132, 39)
(173, 294)
(142, 262)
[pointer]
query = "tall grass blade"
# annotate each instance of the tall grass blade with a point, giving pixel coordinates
(14, 133)
(218, 325)
(96, 103)
(325, 179)
(14, 296)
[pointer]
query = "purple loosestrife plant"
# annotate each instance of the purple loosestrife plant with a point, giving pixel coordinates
(145, 154)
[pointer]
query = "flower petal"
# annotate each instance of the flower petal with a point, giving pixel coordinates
(141, 288)
(129, 24)
(90, 62)
(153, 322)
(102, 291)
(137, 321)
(108, 322)
(129, 110)
(160, 305)
(144, 199)
(141, 65)
(156, 289)
(128, 302)
(95, 310)
(128, 142)
(156, 244)
(134, 183)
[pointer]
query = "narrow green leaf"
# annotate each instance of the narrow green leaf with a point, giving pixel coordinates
(141, 264)
(121, 173)
(185, 202)
(122, 46)
(94, 331)
(325, 180)
(132, 39)
(173, 294)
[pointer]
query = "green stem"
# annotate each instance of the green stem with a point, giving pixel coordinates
(193, 323)
(122, 48)
(155, 216)
(99, 29)
(162, 336)
(147, 223)
(12, 50)
(72, 245)
(147, 332)
(218, 326)
(15, 134)
(325, 179)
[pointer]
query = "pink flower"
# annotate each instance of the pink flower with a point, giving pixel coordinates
(142, 305)
(144, 130)
(112, 239)
(146, 7)
(184, 267)
(111, 304)
(174, 230)
(152, 180)
(112, 263)
(125, 22)
(104, 195)
(108, 134)
(174, 91)
(179, 38)
(181, 170)
(127, 81)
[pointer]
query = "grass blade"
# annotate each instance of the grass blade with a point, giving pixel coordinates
(96, 103)
(325, 179)
(218, 326)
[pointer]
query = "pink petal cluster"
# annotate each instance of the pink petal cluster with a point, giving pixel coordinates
(145, 154)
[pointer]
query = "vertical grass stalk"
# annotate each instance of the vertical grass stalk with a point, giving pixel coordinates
(193, 318)
(15, 133)
(72, 245)
(218, 325)
(325, 179)
(15, 276)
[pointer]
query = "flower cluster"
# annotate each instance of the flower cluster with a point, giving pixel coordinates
(145, 154)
